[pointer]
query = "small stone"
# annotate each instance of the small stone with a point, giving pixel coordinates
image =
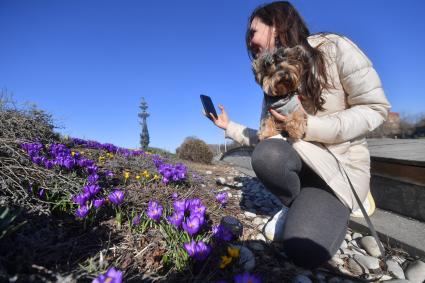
(223, 189)
(368, 261)
(348, 237)
(415, 271)
(220, 181)
(301, 279)
(250, 214)
(208, 172)
(399, 259)
(335, 261)
(343, 245)
(395, 269)
(398, 281)
(356, 235)
(355, 268)
(260, 237)
(257, 221)
(351, 252)
(369, 244)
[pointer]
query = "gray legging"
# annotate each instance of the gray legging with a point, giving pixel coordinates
(317, 220)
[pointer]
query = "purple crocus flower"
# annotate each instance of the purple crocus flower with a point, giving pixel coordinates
(91, 169)
(82, 211)
(180, 205)
(221, 233)
(247, 278)
(174, 196)
(81, 199)
(177, 218)
(42, 193)
(91, 189)
(202, 251)
(136, 220)
(116, 197)
(48, 164)
(109, 174)
(222, 198)
(190, 248)
(111, 276)
(98, 202)
(68, 163)
(154, 210)
(93, 178)
(191, 225)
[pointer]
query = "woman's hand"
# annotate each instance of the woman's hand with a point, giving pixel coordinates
(222, 120)
(295, 123)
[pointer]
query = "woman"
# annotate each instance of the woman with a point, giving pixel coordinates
(343, 100)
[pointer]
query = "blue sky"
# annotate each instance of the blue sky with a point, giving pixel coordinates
(89, 62)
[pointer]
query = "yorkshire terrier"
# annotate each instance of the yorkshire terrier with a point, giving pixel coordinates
(279, 73)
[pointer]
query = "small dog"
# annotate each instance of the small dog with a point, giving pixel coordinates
(279, 73)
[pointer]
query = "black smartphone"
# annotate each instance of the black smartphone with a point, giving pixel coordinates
(208, 106)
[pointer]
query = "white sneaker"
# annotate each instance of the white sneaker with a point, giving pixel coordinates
(273, 230)
(369, 206)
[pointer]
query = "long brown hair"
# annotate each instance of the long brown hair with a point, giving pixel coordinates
(291, 30)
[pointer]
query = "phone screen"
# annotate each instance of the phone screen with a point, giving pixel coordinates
(208, 106)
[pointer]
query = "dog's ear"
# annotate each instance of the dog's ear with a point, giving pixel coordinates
(301, 53)
(279, 54)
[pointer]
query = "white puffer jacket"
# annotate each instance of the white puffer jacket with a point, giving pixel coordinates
(355, 106)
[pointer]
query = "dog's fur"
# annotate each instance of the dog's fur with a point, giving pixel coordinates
(279, 73)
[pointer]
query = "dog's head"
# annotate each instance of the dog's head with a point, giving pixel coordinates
(279, 72)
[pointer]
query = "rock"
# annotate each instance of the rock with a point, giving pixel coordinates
(355, 268)
(369, 262)
(348, 237)
(232, 224)
(208, 172)
(398, 281)
(399, 259)
(344, 245)
(415, 272)
(223, 189)
(301, 279)
(369, 244)
(250, 214)
(336, 261)
(260, 237)
(356, 235)
(395, 269)
(351, 252)
(257, 221)
(220, 181)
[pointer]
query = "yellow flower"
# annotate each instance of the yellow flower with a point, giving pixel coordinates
(81, 152)
(225, 261)
(233, 252)
(126, 174)
(72, 153)
(110, 155)
(155, 177)
(145, 174)
(138, 177)
(101, 158)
